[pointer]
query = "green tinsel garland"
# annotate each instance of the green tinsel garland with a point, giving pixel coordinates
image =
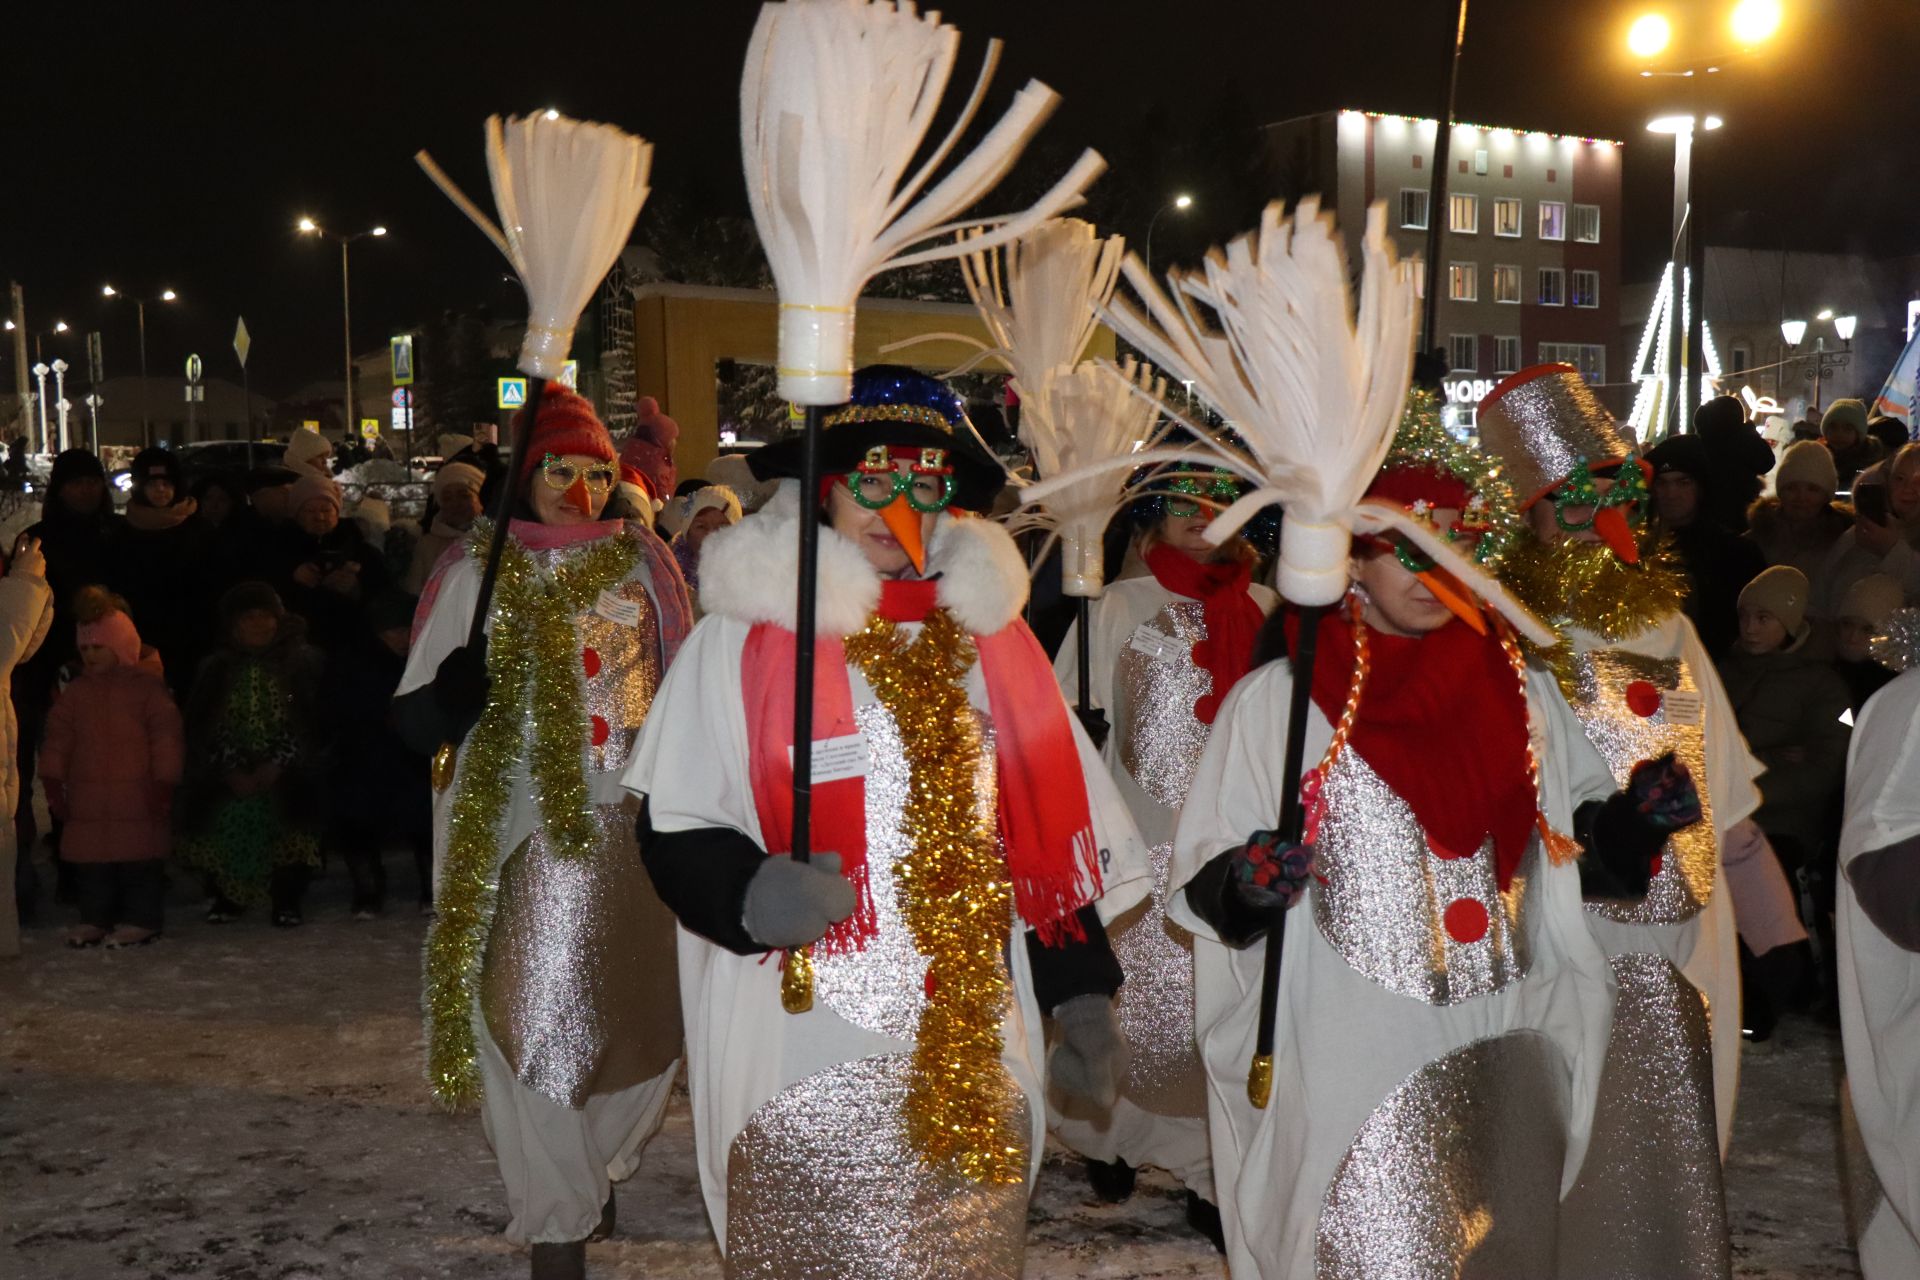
(1422, 440)
(536, 705)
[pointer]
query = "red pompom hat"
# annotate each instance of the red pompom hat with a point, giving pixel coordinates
(566, 424)
(649, 450)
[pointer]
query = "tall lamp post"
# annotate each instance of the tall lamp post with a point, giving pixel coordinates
(140, 309)
(41, 369)
(1182, 202)
(308, 227)
(1825, 359)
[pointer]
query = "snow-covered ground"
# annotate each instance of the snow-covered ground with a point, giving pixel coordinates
(240, 1101)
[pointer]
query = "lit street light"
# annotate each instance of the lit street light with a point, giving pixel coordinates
(1756, 21)
(1825, 359)
(307, 226)
(1649, 36)
(140, 308)
(1182, 202)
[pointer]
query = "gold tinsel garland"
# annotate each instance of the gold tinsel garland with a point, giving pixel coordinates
(535, 710)
(1583, 584)
(956, 898)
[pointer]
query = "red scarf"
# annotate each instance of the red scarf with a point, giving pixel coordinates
(1233, 619)
(1443, 722)
(1046, 824)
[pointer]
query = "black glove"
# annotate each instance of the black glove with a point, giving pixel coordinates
(1625, 833)
(460, 688)
(1094, 721)
(1246, 890)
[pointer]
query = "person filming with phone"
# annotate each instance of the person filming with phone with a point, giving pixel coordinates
(327, 571)
(1885, 538)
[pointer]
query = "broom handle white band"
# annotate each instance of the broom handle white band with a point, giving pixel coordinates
(816, 353)
(1313, 561)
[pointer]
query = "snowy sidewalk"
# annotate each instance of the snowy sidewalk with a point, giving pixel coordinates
(240, 1101)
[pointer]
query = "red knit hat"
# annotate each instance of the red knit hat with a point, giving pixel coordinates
(567, 424)
(649, 450)
(1407, 485)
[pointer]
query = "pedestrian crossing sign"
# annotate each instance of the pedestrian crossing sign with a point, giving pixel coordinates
(513, 393)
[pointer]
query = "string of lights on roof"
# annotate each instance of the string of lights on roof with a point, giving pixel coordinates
(1483, 128)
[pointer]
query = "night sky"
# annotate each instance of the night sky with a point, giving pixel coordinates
(165, 145)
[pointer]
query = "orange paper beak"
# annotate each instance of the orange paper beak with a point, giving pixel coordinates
(1611, 524)
(576, 497)
(1459, 601)
(903, 522)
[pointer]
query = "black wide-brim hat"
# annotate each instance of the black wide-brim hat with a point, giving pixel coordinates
(899, 408)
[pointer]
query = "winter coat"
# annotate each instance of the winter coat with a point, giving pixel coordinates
(333, 620)
(297, 667)
(1718, 565)
(1804, 549)
(26, 615)
(115, 742)
(426, 555)
(1739, 456)
(79, 552)
(1789, 706)
(1855, 458)
(157, 562)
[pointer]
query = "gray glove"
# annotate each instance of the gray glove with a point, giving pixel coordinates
(1090, 1059)
(791, 904)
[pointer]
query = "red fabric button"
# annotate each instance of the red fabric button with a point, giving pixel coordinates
(600, 731)
(590, 659)
(1658, 862)
(1466, 920)
(1643, 699)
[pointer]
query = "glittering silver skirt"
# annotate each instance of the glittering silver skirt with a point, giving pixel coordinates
(821, 1185)
(580, 984)
(1456, 1174)
(1649, 1204)
(1155, 1008)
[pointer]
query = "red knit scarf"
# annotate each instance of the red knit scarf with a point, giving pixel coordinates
(1233, 619)
(1442, 721)
(1046, 825)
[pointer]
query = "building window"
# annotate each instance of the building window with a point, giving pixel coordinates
(1553, 220)
(1463, 350)
(1417, 263)
(1506, 283)
(1586, 223)
(1464, 214)
(1506, 217)
(1553, 287)
(1589, 358)
(1506, 355)
(1586, 288)
(1741, 356)
(1463, 281)
(1413, 209)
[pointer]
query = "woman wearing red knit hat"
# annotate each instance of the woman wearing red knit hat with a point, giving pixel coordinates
(551, 996)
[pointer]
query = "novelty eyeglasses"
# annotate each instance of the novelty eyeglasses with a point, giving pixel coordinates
(1185, 494)
(1474, 526)
(1580, 494)
(561, 474)
(927, 482)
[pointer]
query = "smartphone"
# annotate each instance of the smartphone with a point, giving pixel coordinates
(1870, 501)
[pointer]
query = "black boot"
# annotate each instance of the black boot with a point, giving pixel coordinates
(1204, 1217)
(560, 1261)
(605, 1230)
(1111, 1180)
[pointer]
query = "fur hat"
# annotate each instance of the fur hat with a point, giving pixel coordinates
(1808, 461)
(1846, 413)
(1782, 591)
(649, 450)
(566, 424)
(310, 487)
(1872, 599)
(308, 451)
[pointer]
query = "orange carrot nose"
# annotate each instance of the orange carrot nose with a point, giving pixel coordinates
(1611, 524)
(1447, 590)
(577, 498)
(903, 522)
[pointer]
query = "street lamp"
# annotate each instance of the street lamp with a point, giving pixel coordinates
(1649, 36)
(1755, 21)
(308, 227)
(1182, 202)
(140, 309)
(1825, 360)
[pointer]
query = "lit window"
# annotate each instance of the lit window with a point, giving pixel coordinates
(1506, 355)
(1506, 217)
(1553, 220)
(1506, 283)
(1463, 351)
(1586, 223)
(1464, 214)
(1413, 209)
(1586, 288)
(1463, 281)
(1553, 287)
(1741, 357)
(1589, 358)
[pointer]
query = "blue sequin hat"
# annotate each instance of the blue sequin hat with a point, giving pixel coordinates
(897, 408)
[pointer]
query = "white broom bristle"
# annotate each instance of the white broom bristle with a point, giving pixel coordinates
(1037, 296)
(835, 102)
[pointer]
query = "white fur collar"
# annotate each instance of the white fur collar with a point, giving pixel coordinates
(749, 571)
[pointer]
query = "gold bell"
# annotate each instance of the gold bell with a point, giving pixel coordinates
(1260, 1080)
(444, 761)
(796, 981)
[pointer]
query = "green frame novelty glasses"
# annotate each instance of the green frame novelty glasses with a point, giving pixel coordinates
(1579, 490)
(877, 482)
(1220, 485)
(1473, 523)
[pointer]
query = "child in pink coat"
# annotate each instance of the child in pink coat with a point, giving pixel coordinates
(111, 760)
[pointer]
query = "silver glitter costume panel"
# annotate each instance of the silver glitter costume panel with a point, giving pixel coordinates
(1456, 1175)
(1649, 1204)
(1633, 708)
(1160, 740)
(1423, 926)
(819, 1188)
